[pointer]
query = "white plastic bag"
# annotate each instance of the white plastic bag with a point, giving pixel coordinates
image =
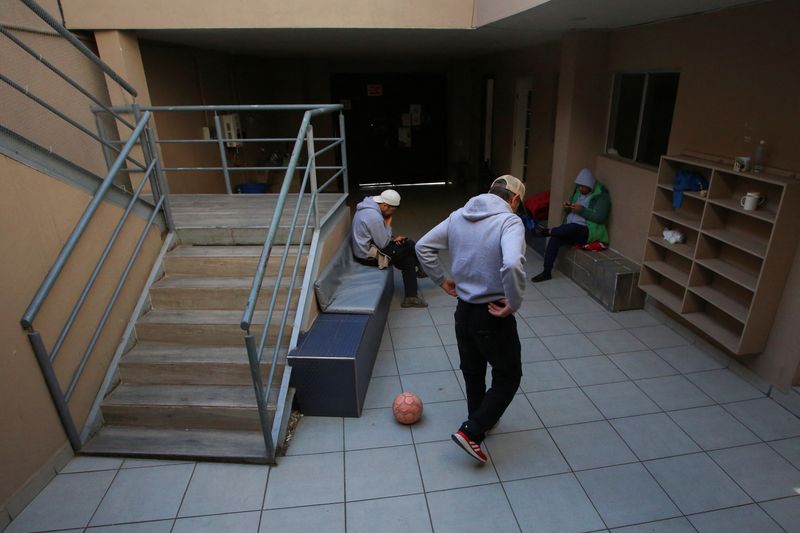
(674, 236)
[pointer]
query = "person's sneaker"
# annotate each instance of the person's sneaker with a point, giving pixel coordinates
(413, 301)
(470, 446)
(544, 276)
(421, 273)
(541, 231)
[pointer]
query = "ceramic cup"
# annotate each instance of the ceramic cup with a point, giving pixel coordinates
(752, 200)
(741, 164)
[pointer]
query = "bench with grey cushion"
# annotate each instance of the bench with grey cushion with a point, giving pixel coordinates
(609, 277)
(333, 361)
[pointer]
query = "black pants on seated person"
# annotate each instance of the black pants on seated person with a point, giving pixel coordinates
(403, 257)
(561, 236)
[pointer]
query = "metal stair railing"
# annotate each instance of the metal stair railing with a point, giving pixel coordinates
(255, 351)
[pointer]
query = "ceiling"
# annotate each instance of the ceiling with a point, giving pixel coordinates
(543, 23)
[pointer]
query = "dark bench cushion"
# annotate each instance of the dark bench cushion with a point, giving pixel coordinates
(345, 286)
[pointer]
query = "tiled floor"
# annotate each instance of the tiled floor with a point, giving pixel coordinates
(621, 424)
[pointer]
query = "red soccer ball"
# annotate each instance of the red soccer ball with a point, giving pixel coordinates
(407, 408)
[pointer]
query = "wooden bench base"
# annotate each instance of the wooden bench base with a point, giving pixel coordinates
(608, 276)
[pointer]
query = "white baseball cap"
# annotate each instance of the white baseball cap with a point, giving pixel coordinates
(511, 184)
(388, 197)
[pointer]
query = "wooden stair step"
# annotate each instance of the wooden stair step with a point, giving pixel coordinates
(194, 444)
(217, 327)
(196, 292)
(235, 234)
(186, 364)
(184, 406)
(237, 261)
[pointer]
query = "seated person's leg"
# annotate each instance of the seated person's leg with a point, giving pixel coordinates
(403, 257)
(560, 236)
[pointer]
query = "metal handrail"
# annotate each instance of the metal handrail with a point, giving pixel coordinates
(255, 351)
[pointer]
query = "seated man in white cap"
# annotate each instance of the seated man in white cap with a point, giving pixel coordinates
(584, 221)
(372, 228)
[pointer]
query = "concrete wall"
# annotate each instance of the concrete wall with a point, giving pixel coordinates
(37, 213)
(189, 14)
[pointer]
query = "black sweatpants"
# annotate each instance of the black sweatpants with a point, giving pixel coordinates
(483, 338)
(403, 257)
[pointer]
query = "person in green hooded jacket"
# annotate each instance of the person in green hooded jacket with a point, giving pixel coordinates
(584, 222)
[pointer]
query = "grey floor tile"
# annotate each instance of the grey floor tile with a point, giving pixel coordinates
(564, 406)
(386, 341)
(688, 359)
(746, 519)
(696, 484)
(790, 399)
(674, 392)
(660, 336)
(218, 488)
(620, 399)
(533, 350)
(381, 473)
(148, 463)
(537, 308)
(673, 525)
(559, 287)
(760, 471)
(317, 434)
(158, 526)
(616, 341)
(636, 318)
(553, 325)
(654, 436)
(428, 359)
(91, 464)
(712, 427)
(766, 418)
(525, 454)
(552, 504)
(385, 364)
(544, 375)
(68, 501)
(433, 386)
(593, 370)
(474, 509)
(642, 365)
(319, 518)
(519, 416)
(566, 346)
(306, 480)
(442, 315)
(524, 331)
(785, 512)
(382, 391)
(409, 318)
(591, 445)
(576, 304)
(724, 386)
(626, 495)
(401, 514)
(375, 428)
(789, 449)
(446, 466)
(416, 337)
(230, 523)
(439, 420)
(141, 494)
(447, 334)
(594, 321)
(452, 354)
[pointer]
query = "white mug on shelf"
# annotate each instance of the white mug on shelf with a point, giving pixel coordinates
(752, 200)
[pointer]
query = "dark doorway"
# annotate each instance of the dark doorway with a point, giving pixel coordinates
(396, 126)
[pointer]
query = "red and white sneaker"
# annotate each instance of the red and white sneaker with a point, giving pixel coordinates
(469, 446)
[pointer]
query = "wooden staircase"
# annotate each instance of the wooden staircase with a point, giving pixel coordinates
(185, 388)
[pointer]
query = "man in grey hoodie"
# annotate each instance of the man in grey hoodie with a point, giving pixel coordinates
(486, 240)
(372, 228)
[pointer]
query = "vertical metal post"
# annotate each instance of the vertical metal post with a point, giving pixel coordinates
(255, 370)
(55, 389)
(345, 178)
(312, 165)
(222, 155)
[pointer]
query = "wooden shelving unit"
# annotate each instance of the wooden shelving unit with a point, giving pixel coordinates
(728, 275)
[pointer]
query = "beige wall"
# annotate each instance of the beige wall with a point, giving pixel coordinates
(190, 14)
(488, 11)
(27, 118)
(37, 213)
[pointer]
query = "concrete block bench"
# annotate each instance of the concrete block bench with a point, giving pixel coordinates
(610, 278)
(333, 361)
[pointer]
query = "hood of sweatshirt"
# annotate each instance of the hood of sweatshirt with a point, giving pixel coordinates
(368, 203)
(484, 206)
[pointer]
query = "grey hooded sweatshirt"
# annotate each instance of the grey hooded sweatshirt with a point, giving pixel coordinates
(487, 248)
(368, 228)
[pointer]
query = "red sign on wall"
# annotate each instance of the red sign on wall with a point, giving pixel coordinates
(375, 89)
